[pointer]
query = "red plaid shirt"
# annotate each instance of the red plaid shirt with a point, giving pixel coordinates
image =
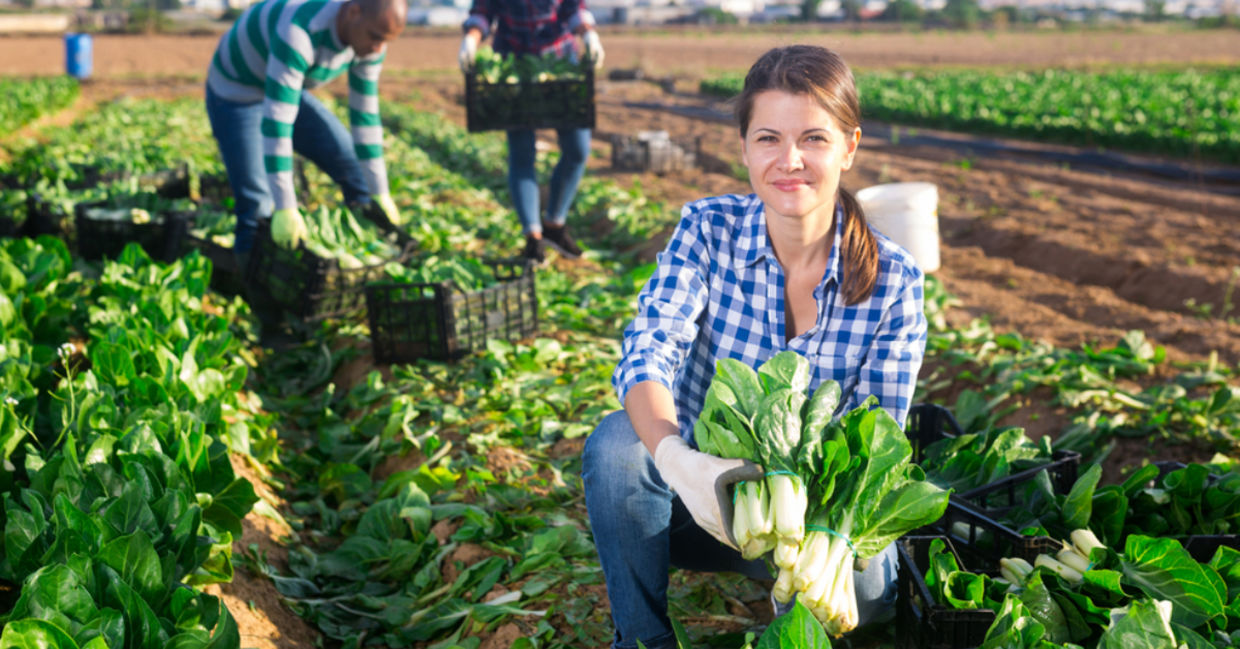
(530, 26)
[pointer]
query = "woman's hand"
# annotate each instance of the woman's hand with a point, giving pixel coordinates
(469, 50)
(594, 47)
(702, 482)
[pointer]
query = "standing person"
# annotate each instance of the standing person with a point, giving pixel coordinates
(261, 111)
(791, 266)
(538, 27)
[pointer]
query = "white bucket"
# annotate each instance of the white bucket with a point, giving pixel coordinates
(908, 213)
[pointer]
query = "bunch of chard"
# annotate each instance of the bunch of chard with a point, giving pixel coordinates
(835, 491)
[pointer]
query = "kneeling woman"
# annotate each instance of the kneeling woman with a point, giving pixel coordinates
(792, 266)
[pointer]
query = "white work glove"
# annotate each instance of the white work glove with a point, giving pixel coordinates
(702, 480)
(468, 52)
(594, 48)
(388, 206)
(288, 228)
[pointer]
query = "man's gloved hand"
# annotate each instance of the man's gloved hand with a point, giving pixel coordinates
(288, 229)
(594, 48)
(702, 481)
(388, 206)
(468, 52)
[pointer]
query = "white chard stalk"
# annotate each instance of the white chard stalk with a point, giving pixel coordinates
(751, 524)
(1085, 542)
(824, 576)
(812, 560)
(1015, 570)
(1052, 564)
(783, 587)
(788, 503)
(1068, 556)
(786, 553)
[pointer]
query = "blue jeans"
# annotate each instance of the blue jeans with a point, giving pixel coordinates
(523, 178)
(641, 529)
(317, 135)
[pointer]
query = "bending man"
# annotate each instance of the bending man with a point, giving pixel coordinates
(261, 112)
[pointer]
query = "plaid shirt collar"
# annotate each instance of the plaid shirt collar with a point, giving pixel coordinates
(754, 245)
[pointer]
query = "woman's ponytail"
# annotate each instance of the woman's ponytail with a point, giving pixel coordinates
(859, 250)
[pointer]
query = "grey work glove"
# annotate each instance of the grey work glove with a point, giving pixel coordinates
(702, 480)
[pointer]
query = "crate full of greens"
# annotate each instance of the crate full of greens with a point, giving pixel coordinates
(992, 468)
(444, 309)
(528, 92)
(990, 473)
(1195, 504)
(925, 619)
(211, 234)
(103, 227)
(49, 207)
(324, 276)
(1150, 591)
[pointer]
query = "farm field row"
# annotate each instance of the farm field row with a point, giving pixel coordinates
(1186, 113)
(688, 54)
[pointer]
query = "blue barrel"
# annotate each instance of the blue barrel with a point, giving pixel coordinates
(77, 55)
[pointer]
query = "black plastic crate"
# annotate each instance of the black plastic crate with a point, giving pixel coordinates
(1201, 546)
(971, 517)
(100, 238)
(307, 286)
(1008, 492)
(47, 217)
(985, 540)
(438, 321)
(923, 623)
(654, 151)
(929, 423)
(529, 105)
(225, 275)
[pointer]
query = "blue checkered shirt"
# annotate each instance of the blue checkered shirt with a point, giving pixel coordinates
(718, 292)
(531, 26)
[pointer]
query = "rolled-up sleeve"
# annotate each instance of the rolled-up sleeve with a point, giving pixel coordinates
(893, 360)
(658, 339)
(480, 17)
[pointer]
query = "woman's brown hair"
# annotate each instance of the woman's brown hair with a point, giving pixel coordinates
(822, 74)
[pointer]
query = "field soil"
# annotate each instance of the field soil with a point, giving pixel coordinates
(1065, 255)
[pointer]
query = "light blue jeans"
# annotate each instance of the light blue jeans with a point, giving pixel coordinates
(523, 177)
(317, 134)
(641, 529)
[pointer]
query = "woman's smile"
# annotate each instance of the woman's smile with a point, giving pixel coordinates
(790, 184)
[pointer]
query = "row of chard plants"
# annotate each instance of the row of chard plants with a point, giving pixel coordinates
(121, 392)
(1193, 112)
(457, 485)
(24, 100)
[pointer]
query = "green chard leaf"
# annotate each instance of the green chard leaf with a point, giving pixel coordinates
(1162, 569)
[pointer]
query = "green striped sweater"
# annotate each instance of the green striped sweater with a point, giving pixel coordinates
(277, 48)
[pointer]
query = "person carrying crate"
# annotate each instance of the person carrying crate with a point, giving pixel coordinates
(261, 111)
(538, 27)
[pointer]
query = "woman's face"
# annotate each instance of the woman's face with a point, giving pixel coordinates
(795, 152)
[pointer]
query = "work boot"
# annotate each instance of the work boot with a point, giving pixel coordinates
(558, 238)
(534, 250)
